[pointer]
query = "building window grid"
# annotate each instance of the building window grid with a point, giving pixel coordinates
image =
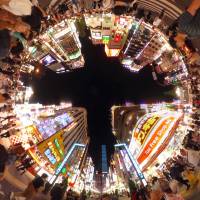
(74, 135)
(72, 132)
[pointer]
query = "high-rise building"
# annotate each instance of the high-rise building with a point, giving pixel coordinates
(123, 169)
(138, 39)
(100, 25)
(156, 46)
(108, 29)
(123, 120)
(104, 164)
(78, 130)
(147, 129)
(86, 178)
(98, 180)
(49, 133)
(100, 177)
(58, 48)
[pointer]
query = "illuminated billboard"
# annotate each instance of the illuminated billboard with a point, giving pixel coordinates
(158, 134)
(111, 52)
(106, 39)
(28, 136)
(144, 126)
(128, 63)
(150, 133)
(53, 149)
(96, 34)
(50, 126)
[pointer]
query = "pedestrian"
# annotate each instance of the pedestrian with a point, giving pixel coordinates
(4, 98)
(16, 7)
(156, 193)
(18, 150)
(3, 161)
(44, 195)
(188, 26)
(64, 184)
(4, 157)
(57, 192)
(167, 193)
(142, 193)
(26, 163)
(44, 176)
(34, 187)
(158, 19)
(176, 173)
(189, 21)
(5, 43)
(193, 157)
(13, 23)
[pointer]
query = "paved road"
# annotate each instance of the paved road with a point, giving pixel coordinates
(7, 188)
(14, 182)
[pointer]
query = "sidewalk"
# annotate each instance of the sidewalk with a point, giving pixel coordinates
(7, 188)
(14, 181)
(17, 180)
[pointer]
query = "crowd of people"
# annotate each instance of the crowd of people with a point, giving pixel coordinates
(178, 178)
(20, 22)
(40, 189)
(181, 173)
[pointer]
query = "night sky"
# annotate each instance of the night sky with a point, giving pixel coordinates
(103, 82)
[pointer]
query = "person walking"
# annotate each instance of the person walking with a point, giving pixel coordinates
(33, 188)
(176, 173)
(188, 26)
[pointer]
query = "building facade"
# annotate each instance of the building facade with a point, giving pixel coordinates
(146, 129)
(58, 48)
(49, 134)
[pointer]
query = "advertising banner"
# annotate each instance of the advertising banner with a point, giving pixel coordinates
(145, 127)
(161, 131)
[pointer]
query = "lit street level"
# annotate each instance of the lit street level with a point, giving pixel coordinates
(99, 100)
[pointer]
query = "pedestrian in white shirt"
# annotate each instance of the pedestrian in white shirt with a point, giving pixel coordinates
(17, 7)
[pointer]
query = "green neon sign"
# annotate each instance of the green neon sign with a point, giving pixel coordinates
(58, 147)
(106, 39)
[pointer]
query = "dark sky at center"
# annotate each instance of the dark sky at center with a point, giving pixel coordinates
(102, 83)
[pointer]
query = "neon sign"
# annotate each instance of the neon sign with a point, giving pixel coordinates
(53, 151)
(106, 39)
(155, 139)
(75, 145)
(50, 126)
(58, 146)
(143, 129)
(50, 156)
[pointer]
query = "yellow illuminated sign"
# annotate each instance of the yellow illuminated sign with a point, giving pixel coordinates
(145, 129)
(155, 138)
(53, 150)
(51, 146)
